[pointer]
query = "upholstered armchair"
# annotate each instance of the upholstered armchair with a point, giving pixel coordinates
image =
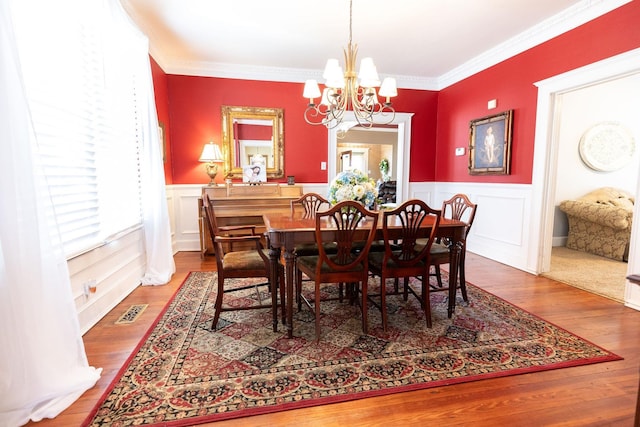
(600, 222)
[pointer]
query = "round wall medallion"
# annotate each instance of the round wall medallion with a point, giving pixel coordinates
(607, 147)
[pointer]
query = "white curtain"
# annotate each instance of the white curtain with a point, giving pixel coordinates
(157, 229)
(43, 366)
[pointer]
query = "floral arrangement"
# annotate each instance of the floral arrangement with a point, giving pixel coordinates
(353, 185)
(384, 169)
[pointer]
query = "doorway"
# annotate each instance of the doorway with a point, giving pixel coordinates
(547, 142)
(402, 122)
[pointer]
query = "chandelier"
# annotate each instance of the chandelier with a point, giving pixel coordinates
(343, 92)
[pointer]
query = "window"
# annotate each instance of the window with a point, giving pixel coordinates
(81, 88)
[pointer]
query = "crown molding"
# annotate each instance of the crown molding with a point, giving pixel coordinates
(273, 74)
(569, 19)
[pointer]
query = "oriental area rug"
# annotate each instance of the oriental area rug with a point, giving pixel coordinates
(183, 373)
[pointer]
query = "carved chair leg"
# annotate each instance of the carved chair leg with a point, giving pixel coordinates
(383, 300)
(426, 299)
(281, 286)
(406, 289)
(352, 291)
(463, 281)
(218, 303)
(316, 309)
(298, 277)
(363, 308)
(438, 275)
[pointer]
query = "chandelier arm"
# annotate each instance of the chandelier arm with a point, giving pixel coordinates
(314, 115)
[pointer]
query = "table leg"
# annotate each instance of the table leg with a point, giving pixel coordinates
(273, 259)
(289, 265)
(454, 263)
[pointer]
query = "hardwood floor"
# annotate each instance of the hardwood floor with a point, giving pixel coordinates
(602, 394)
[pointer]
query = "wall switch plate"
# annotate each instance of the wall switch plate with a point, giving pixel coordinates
(460, 151)
(323, 166)
(492, 104)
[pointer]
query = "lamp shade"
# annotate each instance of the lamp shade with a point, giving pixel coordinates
(211, 153)
(311, 89)
(368, 73)
(389, 87)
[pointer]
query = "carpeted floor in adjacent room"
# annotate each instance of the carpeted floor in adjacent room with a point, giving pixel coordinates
(592, 273)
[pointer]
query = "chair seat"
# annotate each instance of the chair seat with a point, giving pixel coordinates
(312, 261)
(436, 248)
(439, 249)
(308, 249)
(243, 261)
(376, 246)
(377, 258)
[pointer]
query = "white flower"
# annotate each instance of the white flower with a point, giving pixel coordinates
(344, 193)
(353, 185)
(358, 191)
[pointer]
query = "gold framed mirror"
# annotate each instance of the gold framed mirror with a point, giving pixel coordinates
(252, 135)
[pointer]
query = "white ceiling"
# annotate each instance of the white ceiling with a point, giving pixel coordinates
(425, 44)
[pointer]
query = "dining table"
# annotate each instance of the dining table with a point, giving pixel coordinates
(285, 231)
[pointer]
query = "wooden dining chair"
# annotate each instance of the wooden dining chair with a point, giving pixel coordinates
(406, 257)
(344, 225)
(460, 208)
(238, 264)
(309, 204)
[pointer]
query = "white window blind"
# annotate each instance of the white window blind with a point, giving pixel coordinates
(81, 92)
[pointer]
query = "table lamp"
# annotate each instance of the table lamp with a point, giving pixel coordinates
(211, 154)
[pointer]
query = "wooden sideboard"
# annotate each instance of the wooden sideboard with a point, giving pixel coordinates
(242, 204)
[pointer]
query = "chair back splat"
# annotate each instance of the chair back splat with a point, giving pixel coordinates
(311, 203)
(411, 217)
(346, 217)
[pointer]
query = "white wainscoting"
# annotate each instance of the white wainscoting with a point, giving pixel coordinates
(116, 268)
(500, 230)
(186, 231)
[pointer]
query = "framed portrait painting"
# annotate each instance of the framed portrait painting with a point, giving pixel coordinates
(490, 144)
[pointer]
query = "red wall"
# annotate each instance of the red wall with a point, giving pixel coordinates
(512, 84)
(196, 119)
(162, 108)
(194, 106)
